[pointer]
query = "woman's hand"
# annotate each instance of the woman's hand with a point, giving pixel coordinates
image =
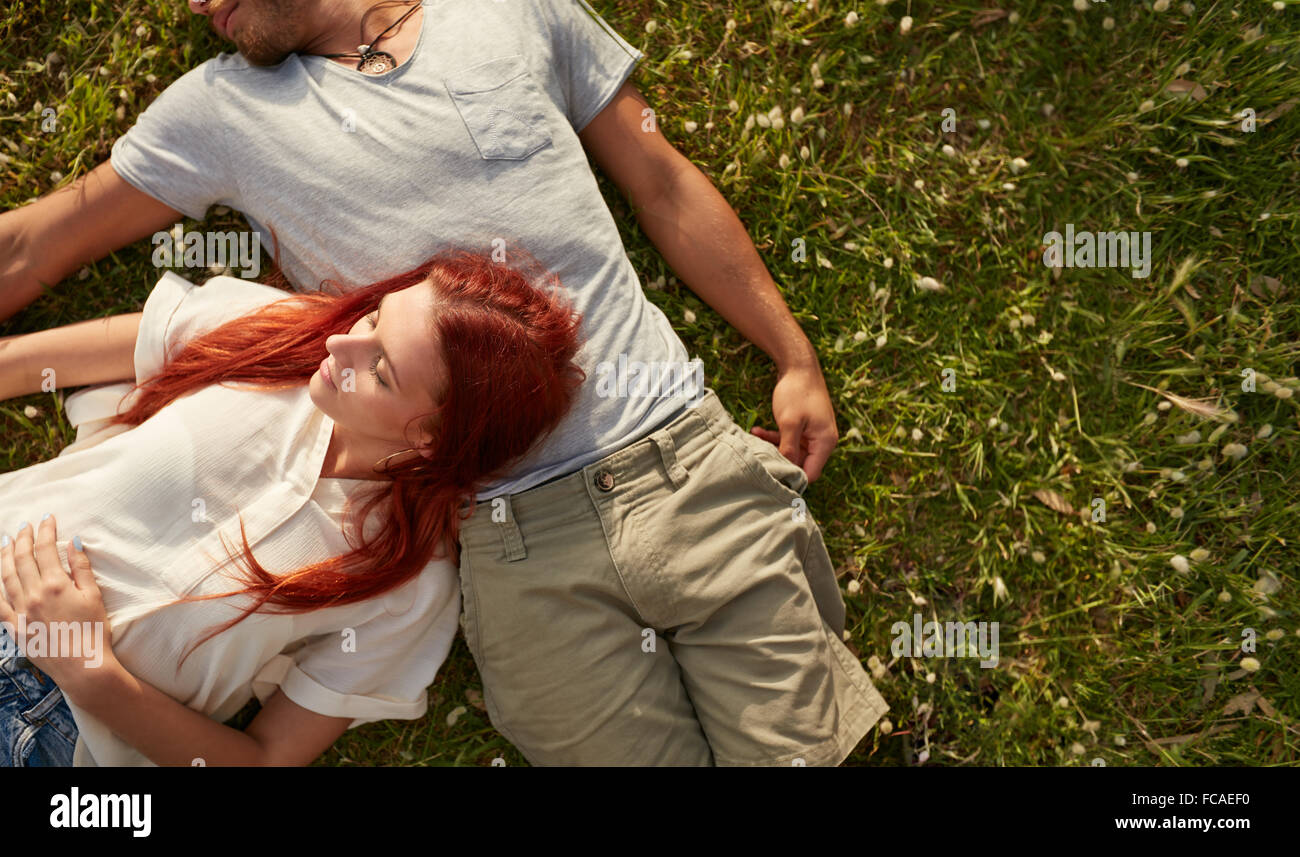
(58, 621)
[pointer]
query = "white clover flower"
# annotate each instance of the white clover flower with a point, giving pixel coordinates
(1013, 18)
(731, 24)
(881, 340)
(804, 153)
(1188, 8)
(1234, 451)
(1076, 748)
(1275, 634)
(949, 150)
(1264, 431)
(929, 284)
(1048, 109)
(1146, 105)
(1278, 6)
(1180, 564)
(762, 120)
(1008, 186)
(999, 590)
(783, 161)
(1188, 439)
(1160, 5)
(1132, 466)
(1120, 740)
(851, 19)
(905, 25)
(1019, 165)
(1177, 475)
(1176, 513)
(885, 726)
(916, 434)
(1250, 665)
(1081, 5)
(919, 184)
(1038, 557)
(854, 587)
(1225, 596)
(1283, 392)
(651, 26)
(797, 115)
(1028, 320)
(688, 317)
(1132, 177)
(733, 105)
(454, 714)
(1200, 555)
(691, 126)
(1108, 23)
(860, 336)
(31, 412)
(1151, 526)
(1181, 163)
(1149, 418)
(1062, 702)
(888, 263)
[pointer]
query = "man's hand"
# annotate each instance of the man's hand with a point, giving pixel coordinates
(805, 419)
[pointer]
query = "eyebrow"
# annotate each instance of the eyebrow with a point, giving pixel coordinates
(392, 370)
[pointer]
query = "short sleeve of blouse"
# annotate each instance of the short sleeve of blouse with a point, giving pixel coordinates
(381, 668)
(177, 311)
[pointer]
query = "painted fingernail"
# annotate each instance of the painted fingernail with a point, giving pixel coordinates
(46, 515)
(76, 542)
(22, 526)
(4, 541)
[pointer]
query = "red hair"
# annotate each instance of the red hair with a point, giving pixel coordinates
(507, 346)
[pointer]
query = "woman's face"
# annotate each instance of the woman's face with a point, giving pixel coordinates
(385, 371)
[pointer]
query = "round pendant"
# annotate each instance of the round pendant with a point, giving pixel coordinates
(377, 62)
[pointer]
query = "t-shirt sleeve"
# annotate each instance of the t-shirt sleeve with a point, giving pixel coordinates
(177, 311)
(176, 150)
(381, 668)
(591, 59)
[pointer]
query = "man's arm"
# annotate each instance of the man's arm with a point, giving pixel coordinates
(44, 241)
(703, 240)
(89, 352)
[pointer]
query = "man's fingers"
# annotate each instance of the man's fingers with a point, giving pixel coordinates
(820, 448)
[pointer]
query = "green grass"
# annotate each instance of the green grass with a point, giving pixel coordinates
(1107, 652)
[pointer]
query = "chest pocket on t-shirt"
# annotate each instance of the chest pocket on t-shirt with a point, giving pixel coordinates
(502, 108)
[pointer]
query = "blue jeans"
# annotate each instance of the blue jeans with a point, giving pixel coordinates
(36, 726)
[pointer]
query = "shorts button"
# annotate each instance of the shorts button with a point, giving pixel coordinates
(605, 480)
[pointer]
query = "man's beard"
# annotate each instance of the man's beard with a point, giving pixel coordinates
(269, 30)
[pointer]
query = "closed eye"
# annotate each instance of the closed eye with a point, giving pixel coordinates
(374, 366)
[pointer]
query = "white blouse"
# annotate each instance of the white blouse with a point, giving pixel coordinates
(151, 503)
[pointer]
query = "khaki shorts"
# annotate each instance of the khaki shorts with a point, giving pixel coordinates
(670, 604)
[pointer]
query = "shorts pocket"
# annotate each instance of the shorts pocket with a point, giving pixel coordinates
(776, 466)
(501, 106)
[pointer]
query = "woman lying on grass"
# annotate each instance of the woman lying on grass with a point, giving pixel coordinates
(338, 435)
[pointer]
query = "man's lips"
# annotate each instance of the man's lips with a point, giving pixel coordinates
(221, 19)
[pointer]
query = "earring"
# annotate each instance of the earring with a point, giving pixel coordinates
(386, 457)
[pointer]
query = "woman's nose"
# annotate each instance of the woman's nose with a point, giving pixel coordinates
(199, 7)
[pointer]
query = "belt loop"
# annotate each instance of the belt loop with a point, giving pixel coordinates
(503, 515)
(668, 452)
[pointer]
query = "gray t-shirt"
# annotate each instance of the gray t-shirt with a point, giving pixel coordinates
(473, 140)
